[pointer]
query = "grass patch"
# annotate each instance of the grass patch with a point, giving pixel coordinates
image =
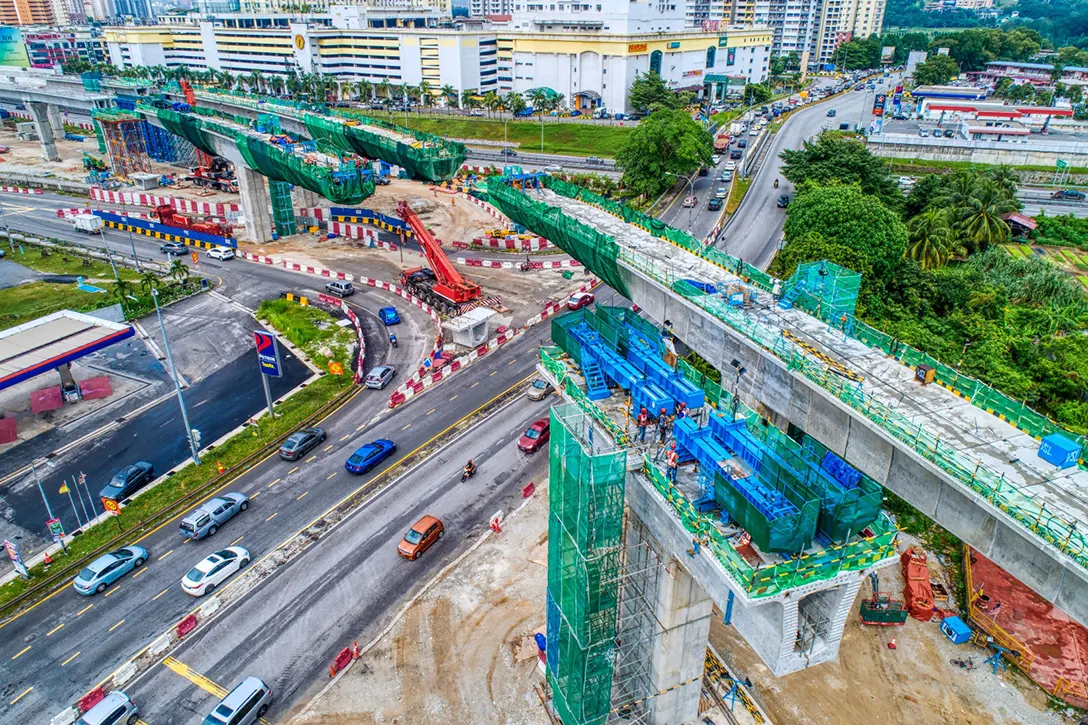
(1014, 250)
(923, 166)
(62, 261)
(311, 330)
(575, 139)
(27, 302)
(736, 194)
(289, 415)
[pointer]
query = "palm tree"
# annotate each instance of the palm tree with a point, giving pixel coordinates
(365, 89)
(255, 79)
(121, 291)
(981, 222)
(276, 84)
(385, 88)
(346, 89)
(539, 99)
(467, 98)
(178, 271)
(930, 238)
(148, 280)
(450, 94)
(1006, 180)
(491, 102)
(425, 90)
(514, 102)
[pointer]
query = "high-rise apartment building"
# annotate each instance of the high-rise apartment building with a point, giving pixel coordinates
(26, 12)
(813, 29)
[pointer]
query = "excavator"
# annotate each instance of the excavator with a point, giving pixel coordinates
(441, 285)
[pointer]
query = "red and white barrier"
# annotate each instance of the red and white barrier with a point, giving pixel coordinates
(355, 231)
(487, 207)
(183, 205)
(319, 213)
(494, 264)
(19, 190)
(535, 244)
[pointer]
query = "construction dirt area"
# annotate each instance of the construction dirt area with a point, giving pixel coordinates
(462, 652)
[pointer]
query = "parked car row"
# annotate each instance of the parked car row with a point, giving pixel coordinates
(245, 704)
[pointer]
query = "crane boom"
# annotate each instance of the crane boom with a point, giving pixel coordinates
(448, 283)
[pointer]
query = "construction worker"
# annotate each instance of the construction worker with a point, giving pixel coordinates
(662, 426)
(681, 410)
(672, 462)
(642, 421)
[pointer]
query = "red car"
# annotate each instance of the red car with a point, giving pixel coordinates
(535, 438)
(579, 300)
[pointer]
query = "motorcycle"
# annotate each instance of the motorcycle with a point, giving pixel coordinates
(393, 341)
(467, 474)
(776, 183)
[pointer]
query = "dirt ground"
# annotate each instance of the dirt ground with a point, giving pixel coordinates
(450, 218)
(463, 652)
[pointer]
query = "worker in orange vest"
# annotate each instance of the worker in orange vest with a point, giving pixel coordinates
(672, 462)
(642, 421)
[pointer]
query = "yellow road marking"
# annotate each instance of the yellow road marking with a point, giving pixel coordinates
(326, 448)
(274, 482)
(360, 427)
(111, 591)
(209, 686)
(303, 494)
(475, 384)
(453, 398)
(272, 517)
(311, 458)
(512, 361)
(62, 664)
(81, 611)
(492, 373)
(21, 652)
(407, 427)
(53, 631)
(166, 555)
(344, 438)
(139, 572)
(164, 591)
(238, 539)
(23, 694)
(431, 411)
(254, 495)
(116, 625)
(292, 470)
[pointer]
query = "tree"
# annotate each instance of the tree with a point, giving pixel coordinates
(648, 93)
(936, 71)
(149, 280)
(755, 94)
(834, 159)
(981, 220)
(450, 94)
(930, 238)
(467, 98)
(514, 102)
(665, 145)
(385, 88)
(492, 102)
(365, 89)
(926, 191)
(425, 93)
(178, 271)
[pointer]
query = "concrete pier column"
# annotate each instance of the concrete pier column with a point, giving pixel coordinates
(56, 121)
(683, 611)
(39, 113)
(306, 199)
(254, 199)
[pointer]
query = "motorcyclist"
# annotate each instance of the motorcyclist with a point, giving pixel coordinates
(392, 339)
(776, 183)
(470, 468)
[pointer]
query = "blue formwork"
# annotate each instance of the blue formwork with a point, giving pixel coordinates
(614, 367)
(669, 380)
(734, 434)
(841, 472)
(646, 394)
(1059, 450)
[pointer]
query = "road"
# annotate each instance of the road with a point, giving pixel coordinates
(538, 162)
(60, 649)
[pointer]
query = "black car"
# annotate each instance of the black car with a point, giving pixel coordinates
(714, 204)
(172, 248)
(300, 443)
(508, 152)
(703, 171)
(743, 143)
(381, 181)
(783, 201)
(1068, 194)
(736, 154)
(128, 481)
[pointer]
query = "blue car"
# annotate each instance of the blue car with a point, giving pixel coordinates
(108, 568)
(389, 315)
(370, 455)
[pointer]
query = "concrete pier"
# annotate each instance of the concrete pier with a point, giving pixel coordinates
(255, 203)
(39, 113)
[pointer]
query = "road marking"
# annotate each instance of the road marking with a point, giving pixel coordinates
(313, 457)
(274, 482)
(166, 555)
(54, 630)
(209, 686)
(407, 427)
(139, 572)
(475, 384)
(324, 449)
(453, 398)
(330, 476)
(492, 373)
(306, 492)
(21, 696)
(360, 427)
(344, 438)
(111, 591)
(164, 591)
(21, 652)
(272, 517)
(512, 361)
(255, 495)
(62, 664)
(431, 411)
(116, 625)
(81, 611)
(238, 539)
(292, 470)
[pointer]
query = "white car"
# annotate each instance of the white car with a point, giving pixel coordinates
(221, 253)
(213, 570)
(906, 181)
(715, 159)
(730, 167)
(554, 169)
(721, 193)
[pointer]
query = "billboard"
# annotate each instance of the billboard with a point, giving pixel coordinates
(878, 104)
(12, 48)
(731, 56)
(913, 59)
(887, 54)
(268, 353)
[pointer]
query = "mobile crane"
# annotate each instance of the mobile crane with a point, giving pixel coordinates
(441, 285)
(211, 172)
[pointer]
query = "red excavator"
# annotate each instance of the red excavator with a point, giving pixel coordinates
(441, 286)
(168, 216)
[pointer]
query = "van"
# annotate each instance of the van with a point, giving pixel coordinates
(340, 288)
(243, 705)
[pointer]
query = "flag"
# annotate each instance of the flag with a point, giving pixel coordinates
(64, 487)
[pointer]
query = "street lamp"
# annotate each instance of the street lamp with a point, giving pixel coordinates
(690, 181)
(130, 239)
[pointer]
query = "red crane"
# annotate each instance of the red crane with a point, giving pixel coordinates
(203, 159)
(442, 285)
(168, 216)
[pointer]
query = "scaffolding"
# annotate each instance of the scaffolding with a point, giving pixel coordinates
(585, 541)
(283, 209)
(124, 137)
(167, 147)
(825, 290)
(92, 81)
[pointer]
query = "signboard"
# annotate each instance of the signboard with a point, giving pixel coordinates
(1062, 166)
(887, 54)
(731, 56)
(673, 45)
(336, 368)
(268, 353)
(878, 104)
(300, 42)
(196, 258)
(712, 26)
(56, 529)
(112, 506)
(692, 73)
(16, 560)
(636, 47)
(13, 48)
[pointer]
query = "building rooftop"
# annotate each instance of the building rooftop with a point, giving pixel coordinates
(44, 344)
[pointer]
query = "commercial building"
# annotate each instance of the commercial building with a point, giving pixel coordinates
(26, 12)
(1037, 74)
(53, 48)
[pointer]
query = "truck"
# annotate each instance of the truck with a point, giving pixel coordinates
(216, 174)
(441, 285)
(88, 223)
(168, 216)
(721, 143)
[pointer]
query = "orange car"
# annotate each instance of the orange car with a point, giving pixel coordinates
(419, 538)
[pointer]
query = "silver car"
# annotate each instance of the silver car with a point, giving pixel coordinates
(206, 518)
(380, 376)
(243, 705)
(116, 708)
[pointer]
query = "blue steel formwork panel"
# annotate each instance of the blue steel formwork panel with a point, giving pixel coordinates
(646, 394)
(614, 367)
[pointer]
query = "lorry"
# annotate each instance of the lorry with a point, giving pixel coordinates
(168, 216)
(721, 143)
(88, 223)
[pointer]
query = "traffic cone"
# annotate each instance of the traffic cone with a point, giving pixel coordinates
(48, 559)
(355, 650)
(332, 671)
(219, 466)
(891, 645)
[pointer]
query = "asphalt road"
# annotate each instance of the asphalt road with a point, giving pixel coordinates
(65, 645)
(536, 161)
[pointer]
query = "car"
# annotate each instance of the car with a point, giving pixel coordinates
(340, 288)
(703, 171)
(755, 131)
(128, 481)
(221, 253)
(831, 113)
(508, 152)
(859, 87)
(389, 316)
(691, 201)
(729, 168)
(116, 708)
(714, 204)
(721, 193)
(783, 201)
(949, 133)
(715, 159)
(366, 457)
(936, 133)
(923, 132)
(172, 248)
(539, 389)
(108, 568)
(534, 437)
(214, 569)
(598, 159)
(1069, 195)
(736, 154)
(244, 705)
(554, 169)
(419, 538)
(905, 181)
(742, 144)
(578, 300)
(379, 377)
(726, 175)
(575, 113)
(899, 117)
(300, 442)
(380, 180)
(476, 112)
(844, 126)
(206, 518)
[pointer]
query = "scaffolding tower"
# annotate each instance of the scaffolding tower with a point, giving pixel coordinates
(125, 145)
(167, 147)
(283, 208)
(585, 541)
(825, 290)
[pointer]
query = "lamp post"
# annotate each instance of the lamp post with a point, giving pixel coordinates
(130, 239)
(177, 381)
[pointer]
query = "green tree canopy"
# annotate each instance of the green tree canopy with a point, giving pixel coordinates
(666, 144)
(835, 159)
(756, 93)
(937, 70)
(648, 92)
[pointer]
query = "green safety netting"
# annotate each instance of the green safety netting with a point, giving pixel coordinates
(184, 125)
(585, 535)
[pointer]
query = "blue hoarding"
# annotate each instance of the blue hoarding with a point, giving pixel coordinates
(268, 353)
(152, 228)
